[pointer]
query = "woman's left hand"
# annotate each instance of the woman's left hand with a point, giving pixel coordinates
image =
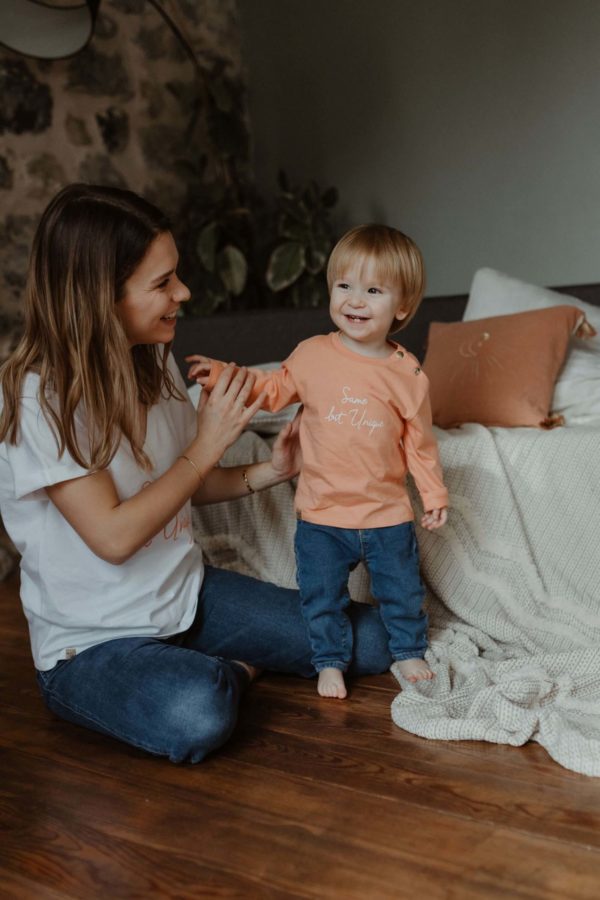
(287, 456)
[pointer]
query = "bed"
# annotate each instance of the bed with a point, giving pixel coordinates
(512, 580)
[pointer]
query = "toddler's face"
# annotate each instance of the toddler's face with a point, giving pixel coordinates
(363, 307)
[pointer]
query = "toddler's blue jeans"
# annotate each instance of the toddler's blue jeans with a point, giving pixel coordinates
(324, 558)
(179, 697)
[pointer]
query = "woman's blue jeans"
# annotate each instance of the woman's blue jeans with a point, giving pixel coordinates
(179, 697)
(324, 558)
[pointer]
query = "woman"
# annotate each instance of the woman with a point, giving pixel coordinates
(102, 454)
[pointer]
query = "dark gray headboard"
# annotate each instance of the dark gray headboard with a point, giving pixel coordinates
(252, 338)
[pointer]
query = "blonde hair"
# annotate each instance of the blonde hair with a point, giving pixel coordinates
(88, 243)
(398, 260)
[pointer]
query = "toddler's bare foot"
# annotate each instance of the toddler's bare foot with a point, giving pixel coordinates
(252, 671)
(415, 670)
(331, 683)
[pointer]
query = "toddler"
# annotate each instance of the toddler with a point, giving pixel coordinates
(366, 422)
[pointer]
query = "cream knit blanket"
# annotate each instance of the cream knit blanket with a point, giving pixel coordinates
(513, 586)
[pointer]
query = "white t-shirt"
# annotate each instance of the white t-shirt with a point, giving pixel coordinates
(73, 599)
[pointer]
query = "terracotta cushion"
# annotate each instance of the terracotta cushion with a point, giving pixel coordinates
(500, 370)
(577, 388)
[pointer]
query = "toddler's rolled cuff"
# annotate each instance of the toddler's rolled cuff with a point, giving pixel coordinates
(434, 500)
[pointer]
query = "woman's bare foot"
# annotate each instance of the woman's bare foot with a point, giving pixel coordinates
(331, 684)
(252, 671)
(415, 670)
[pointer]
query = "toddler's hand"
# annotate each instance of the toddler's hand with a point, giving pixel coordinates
(435, 518)
(200, 370)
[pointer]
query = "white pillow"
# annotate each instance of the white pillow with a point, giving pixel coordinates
(264, 422)
(577, 389)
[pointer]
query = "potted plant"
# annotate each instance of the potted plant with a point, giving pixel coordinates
(257, 272)
(250, 262)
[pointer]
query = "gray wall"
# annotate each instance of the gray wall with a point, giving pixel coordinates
(473, 125)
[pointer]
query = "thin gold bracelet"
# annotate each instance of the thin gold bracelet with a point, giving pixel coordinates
(194, 466)
(247, 483)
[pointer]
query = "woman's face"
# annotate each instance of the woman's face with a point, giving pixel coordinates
(153, 295)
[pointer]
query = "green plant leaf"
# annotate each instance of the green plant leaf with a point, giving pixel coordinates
(294, 208)
(293, 231)
(206, 245)
(315, 260)
(233, 269)
(286, 265)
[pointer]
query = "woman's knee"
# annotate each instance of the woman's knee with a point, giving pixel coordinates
(201, 718)
(160, 698)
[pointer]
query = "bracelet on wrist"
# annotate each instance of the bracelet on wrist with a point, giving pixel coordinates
(247, 483)
(194, 467)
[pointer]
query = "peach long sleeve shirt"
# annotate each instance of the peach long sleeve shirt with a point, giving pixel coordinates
(366, 422)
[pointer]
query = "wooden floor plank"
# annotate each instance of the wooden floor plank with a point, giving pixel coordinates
(434, 782)
(16, 887)
(312, 838)
(233, 837)
(310, 799)
(433, 785)
(367, 722)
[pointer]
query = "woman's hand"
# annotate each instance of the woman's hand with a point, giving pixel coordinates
(435, 518)
(287, 456)
(223, 414)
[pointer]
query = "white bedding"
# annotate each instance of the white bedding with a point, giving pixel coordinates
(513, 586)
(514, 595)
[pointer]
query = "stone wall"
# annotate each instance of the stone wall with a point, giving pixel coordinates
(130, 110)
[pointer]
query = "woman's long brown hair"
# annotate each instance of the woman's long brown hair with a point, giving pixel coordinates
(89, 241)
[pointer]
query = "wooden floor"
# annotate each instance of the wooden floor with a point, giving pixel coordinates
(312, 798)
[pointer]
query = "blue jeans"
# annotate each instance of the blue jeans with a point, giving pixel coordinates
(324, 558)
(179, 696)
